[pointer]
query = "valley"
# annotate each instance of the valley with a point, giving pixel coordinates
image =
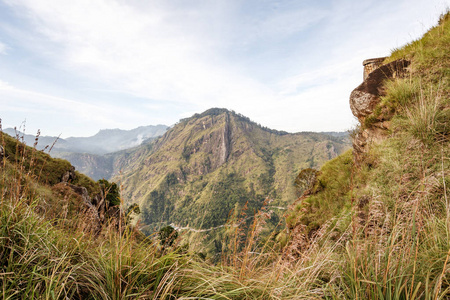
(218, 206)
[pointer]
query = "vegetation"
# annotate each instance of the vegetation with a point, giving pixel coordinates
(376, 229)
(110, 191)
(210, 165)
(387, 218)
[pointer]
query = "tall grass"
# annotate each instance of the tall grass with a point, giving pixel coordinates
(39, 260)
(377, 230)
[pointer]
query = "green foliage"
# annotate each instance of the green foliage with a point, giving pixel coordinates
(110, 191)
(132, 211)
(84, 181)
(41, 262)
(45, 169)
(330, 193)
(426, 120)
(167, 236)
(227, 193)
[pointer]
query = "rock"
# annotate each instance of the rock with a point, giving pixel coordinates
(69, 175)
(93, 223)
(224, 151)
(367, 95)
(371, 64)
(2, 153)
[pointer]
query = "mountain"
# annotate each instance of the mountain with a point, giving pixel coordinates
(90, 155)
(112, 140)
(371, 224)
(105, 141)
(213, 162)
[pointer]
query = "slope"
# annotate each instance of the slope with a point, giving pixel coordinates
(383, 212)
(214, 162)
(53, 187)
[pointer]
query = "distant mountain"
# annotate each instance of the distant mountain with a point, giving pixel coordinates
(112, 140)
(105, 141)
(206, 165)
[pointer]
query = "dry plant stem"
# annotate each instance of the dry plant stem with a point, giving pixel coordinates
(414, 268)
(438, 287)
(445, 190)
(355, 246)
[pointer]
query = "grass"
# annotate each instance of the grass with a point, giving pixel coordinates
(376, 230)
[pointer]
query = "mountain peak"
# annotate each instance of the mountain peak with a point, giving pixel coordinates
(215, 111)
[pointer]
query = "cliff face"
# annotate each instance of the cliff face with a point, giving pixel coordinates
(364, 100)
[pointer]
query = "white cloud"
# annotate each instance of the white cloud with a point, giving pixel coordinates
(177, 54)
(145, 53)
(63, 110)
(3, 48)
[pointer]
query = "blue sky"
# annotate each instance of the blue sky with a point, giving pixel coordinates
(75, 67)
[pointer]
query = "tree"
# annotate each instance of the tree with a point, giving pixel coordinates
(110, 191)
(167, 236)
(132, 210)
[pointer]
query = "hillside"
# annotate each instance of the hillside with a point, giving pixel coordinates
(53, 187)
(207, 164)
(90, 155)
(382, 211)
(373, 223)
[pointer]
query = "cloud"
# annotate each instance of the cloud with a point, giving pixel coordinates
(14, 99)
(289, 65)
(150, 54)
(3, 48)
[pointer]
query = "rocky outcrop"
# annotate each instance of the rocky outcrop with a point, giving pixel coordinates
(372, 64)
(367, 95)
(224, 144)
(365, 98)
(93, 223)
(96, 212)
(69, 175)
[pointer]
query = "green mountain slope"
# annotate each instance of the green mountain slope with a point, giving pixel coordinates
(208, 164)
(374, 227)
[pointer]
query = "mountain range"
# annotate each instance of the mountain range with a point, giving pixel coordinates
(215, 162)
(105, 141)
(201, 169)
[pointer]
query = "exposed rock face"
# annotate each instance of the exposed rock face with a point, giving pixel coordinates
(94, 223)
(224, 150)
(96, 211)
(372, 64)
(69, 175)
(366, 97)
(2, 153)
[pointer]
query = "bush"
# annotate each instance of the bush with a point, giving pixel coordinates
(110, 191)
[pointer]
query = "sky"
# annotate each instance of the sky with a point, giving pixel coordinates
(71, 68)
